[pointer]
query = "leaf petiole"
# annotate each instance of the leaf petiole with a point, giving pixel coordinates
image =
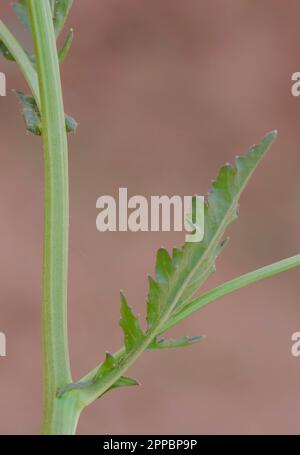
(231, 286)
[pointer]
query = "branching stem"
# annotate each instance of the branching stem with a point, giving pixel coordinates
(63, 403)
(226, 288)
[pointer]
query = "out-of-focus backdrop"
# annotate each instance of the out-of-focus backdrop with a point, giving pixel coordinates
(165, 92)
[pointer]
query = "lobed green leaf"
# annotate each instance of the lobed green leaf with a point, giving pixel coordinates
(61, 9)
(180, 276)
(71, 124)
(124, 381)
(133, 333)
(106, 368)
(169, 344)
(30, 113)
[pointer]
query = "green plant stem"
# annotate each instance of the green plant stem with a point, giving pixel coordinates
(63, 404)
(226, 288)
(59, 414)
(231, 286)
(22, 60)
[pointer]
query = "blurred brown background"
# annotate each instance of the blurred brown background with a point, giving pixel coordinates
(165, 92)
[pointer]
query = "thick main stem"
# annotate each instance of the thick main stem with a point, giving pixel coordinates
(56, 368)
